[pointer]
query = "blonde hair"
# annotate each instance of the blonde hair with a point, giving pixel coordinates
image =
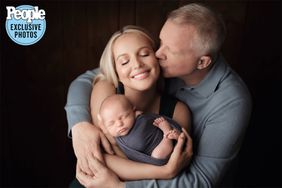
(209, 26)
(107, 62)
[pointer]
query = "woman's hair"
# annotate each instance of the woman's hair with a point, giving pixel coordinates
(209, 26)
(107, 62)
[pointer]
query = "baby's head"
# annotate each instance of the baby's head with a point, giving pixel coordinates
(117, 115)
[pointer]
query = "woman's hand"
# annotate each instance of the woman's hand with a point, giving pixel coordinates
(86, 139)
(103, 177)
(181, 155)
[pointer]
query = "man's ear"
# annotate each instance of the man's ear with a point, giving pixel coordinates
(204, 62)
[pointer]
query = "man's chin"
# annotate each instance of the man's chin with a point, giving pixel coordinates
(167, 75)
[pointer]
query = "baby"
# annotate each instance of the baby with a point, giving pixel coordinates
(142, 137)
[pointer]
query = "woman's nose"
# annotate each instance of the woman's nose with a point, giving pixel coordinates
(138, 63)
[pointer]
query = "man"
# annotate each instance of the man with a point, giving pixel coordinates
(189, 55)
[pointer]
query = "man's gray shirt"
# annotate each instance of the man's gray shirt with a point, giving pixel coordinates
(221, 107)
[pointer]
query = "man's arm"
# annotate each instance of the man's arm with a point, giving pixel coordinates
(86, 138)
(78, 99)
(218, 146)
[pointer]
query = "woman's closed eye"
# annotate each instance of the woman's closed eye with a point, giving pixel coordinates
(124, 62)
(144, 54)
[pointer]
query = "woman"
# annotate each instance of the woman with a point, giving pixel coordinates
(129, 58)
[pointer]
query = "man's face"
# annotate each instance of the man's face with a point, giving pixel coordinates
(178, 53)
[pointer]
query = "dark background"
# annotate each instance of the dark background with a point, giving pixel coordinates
(35, 150)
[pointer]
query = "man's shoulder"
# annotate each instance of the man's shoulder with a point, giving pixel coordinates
(231, 92)
(232, 85)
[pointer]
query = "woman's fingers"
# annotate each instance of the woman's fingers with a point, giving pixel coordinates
(180, 143)
(189, 143)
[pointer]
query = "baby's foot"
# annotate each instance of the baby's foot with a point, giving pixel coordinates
(172, 134)
(162, 124)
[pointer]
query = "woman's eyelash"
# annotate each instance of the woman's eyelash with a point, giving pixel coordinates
(124, 63)
(144, 55)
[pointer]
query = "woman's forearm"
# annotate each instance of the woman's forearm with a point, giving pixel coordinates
(131, 170)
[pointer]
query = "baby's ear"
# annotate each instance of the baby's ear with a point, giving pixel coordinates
(99, 118)
(137, 112)
(100, 121)
(134, 108)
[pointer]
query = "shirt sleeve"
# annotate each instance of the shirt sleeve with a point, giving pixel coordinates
(78, 99)
(218, 145)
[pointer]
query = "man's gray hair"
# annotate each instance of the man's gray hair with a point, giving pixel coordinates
(209, 25)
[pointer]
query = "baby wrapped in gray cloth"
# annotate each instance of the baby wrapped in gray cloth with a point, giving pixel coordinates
(145, 138)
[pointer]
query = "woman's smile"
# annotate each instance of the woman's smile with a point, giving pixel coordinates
(141, 75)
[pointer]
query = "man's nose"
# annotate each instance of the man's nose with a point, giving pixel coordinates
(159, 53)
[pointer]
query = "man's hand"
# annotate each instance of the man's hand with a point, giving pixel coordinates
(86, 139)
(181, 155)
(103, 177)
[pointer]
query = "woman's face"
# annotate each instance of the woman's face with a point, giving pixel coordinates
(136, 64)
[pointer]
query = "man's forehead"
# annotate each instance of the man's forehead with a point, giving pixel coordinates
(176, 34)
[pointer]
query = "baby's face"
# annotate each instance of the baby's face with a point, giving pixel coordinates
(118, 120)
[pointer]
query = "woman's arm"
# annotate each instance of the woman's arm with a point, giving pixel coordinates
(106, 178)
(182, 116)
(101, 90)
(131, 170)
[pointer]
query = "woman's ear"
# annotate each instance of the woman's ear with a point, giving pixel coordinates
(204, 62)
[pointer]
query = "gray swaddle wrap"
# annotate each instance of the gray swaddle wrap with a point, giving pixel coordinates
(139, 143)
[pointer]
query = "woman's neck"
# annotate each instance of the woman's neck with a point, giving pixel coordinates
(146, 101)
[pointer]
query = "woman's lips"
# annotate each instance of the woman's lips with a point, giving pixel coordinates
(142, 75)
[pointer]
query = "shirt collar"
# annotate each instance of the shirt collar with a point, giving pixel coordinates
(209, 84)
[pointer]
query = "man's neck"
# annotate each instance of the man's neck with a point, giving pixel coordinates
(196, 77)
